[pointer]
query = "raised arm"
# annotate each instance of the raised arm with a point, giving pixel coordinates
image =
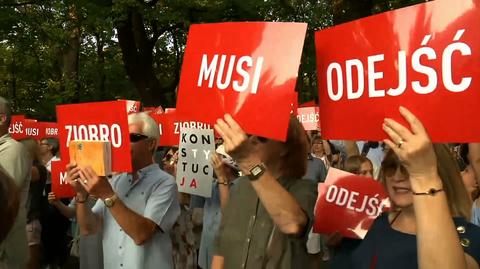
(223, 178)
(138, 227)
(89, 222)
(66, 211)
(415, 151)
(282, 207)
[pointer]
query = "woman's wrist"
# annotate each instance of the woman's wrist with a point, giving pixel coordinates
(425, 183)
(81, 198)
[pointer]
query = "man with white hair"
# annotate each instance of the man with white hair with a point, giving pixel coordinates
(135, 210)
(15, 161)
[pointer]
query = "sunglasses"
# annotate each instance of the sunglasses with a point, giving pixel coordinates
(390, 167)
(137, 137)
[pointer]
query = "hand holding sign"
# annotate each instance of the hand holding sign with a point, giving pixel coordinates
(237, 143)
(95, 185)
(413, 148)
(52, 198)
(220, 168)
(73, 178)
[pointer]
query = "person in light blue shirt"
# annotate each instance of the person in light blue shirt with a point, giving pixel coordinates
(316, 170)
(135, 211)
(374, 152)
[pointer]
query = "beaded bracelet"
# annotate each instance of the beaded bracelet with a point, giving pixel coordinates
(430, 192)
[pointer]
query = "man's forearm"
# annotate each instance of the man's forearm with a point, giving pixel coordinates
(351, 148)
(224, 191)
(66, 211)
(88, 221)
(139, 228)
(217, 262)
(280, 204)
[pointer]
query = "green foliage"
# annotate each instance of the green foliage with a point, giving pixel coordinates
(63, 51)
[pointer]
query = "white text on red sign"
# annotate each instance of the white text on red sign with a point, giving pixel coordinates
(16, 128)
(308, 118)
(339, 196)
(336, 92)
(208, 71)
(189, 124)
(100, 132)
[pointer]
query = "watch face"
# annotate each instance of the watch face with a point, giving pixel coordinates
(256, 170)
(108, 202)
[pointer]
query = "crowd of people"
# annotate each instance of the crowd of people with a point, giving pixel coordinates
(261, 210)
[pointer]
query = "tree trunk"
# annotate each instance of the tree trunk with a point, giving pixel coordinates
(70, 58)
(137, 55)
(348, 10)
(101, 67)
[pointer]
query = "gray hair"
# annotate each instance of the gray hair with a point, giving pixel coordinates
(149, 125)
(5, 108)
(53, 142)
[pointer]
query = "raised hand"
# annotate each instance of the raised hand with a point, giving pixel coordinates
(412, 146)
(95, 185)
(221, 169)
(73, 178)
(236, 142)
(52, 199)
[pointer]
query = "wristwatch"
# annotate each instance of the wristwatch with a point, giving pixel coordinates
(257, 171)
(109, 202)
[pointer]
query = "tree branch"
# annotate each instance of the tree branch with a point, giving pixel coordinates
(159, 32)
(20, 4)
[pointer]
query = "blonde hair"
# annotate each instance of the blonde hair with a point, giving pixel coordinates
(449, 173)
(354, 163)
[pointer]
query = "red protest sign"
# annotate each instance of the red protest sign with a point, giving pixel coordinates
(39, 130)
(154, 110)
(32, 129)
(105, 121)
(247, 69)
(294, 104)
(17, 127)
(60, 185)
(348, 204)
(170, 125)
(48, 129)
(132, 106)
(307, 104)
(427, 63)
(309, 117)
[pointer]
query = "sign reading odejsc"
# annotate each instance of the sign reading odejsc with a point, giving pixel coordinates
(428, 63)
(348, 204)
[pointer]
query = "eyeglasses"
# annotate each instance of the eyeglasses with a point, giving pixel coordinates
(137, 137)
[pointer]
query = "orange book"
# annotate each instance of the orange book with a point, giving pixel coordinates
(96, 154)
